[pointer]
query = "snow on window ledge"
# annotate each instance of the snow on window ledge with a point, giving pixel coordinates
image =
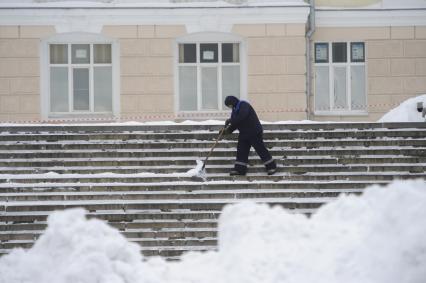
(202, 114)
(341, 113)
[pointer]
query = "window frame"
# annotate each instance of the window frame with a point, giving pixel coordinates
(71, 67)
(348, 64)
(79, 38)
(210, 38)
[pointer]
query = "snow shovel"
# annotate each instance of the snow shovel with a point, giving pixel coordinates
(211, 150)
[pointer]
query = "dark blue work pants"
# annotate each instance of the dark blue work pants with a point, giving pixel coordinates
(243, 150)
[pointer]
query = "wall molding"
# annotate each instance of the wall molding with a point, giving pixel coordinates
(207, 18)
(370, 18)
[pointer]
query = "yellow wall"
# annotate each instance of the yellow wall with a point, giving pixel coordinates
(276, 62)
(20, 71)
(146, 63)
(395, 64)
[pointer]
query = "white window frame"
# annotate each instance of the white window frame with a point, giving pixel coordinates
(70, 39)
(348, 64)
(213, 38)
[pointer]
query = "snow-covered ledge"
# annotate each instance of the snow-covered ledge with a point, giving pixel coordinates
(68, 16)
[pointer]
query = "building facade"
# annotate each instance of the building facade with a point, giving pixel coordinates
(177, 60)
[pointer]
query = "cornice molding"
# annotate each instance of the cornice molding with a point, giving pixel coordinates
(370, 18)
(196, 19)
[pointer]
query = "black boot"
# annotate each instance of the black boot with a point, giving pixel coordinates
(271, 167)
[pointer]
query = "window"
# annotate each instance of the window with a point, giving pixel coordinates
(80, 78)
(340, 82)
(207, 73)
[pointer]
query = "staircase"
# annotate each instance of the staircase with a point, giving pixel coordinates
(134, 176)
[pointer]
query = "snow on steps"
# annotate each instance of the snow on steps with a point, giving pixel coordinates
(134, 176)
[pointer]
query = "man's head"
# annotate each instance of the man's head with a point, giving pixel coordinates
(231, 101)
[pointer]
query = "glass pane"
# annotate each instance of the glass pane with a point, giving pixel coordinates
(230, 52)
(59, 89)
(231, 81)
(209, 95)
(208, 53)
(339, 52)
(321, 52)
(357, 52)
(102, 79)
(187, 88)
(58, 54)
(80, 53)
(102, 53)
(340, 101)
(187, 53)
(358, 97)
(322, 90)
(81, 89)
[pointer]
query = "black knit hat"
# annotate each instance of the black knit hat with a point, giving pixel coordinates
(231, 101)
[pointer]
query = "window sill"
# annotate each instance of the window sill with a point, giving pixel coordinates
(81, 116)
(341, 113)
(219, 114)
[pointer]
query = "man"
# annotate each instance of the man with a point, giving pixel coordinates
(245, 119)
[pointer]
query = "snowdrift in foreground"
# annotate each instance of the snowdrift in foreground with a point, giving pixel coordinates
(378, 237)
(74, 249)
(406, 111)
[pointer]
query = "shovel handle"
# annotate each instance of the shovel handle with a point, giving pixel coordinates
(214, 145)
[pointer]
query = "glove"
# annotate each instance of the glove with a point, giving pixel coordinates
(227, 122)
(227, 131)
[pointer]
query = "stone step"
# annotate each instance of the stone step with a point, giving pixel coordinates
(145, 244)
(203, 145)
(172, 233)
(137, 224)
(184, 164)
(168, 254)
(165, 205)
(253, 177)
(164, 233)
(128, 216)
(290, 167)
(111, 127)
(183, 186)
(347, 160)
(115, 216)
(158, 243)
(42, 197)
(206, 135)
(141, 153)
(174, 253)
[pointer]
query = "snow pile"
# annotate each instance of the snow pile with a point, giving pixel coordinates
(379, 237)
(406, 111)
(74, 249)
(198, 171)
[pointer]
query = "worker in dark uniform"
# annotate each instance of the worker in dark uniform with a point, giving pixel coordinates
(245, 119)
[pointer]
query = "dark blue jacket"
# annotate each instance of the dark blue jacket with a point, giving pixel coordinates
(243, 118)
